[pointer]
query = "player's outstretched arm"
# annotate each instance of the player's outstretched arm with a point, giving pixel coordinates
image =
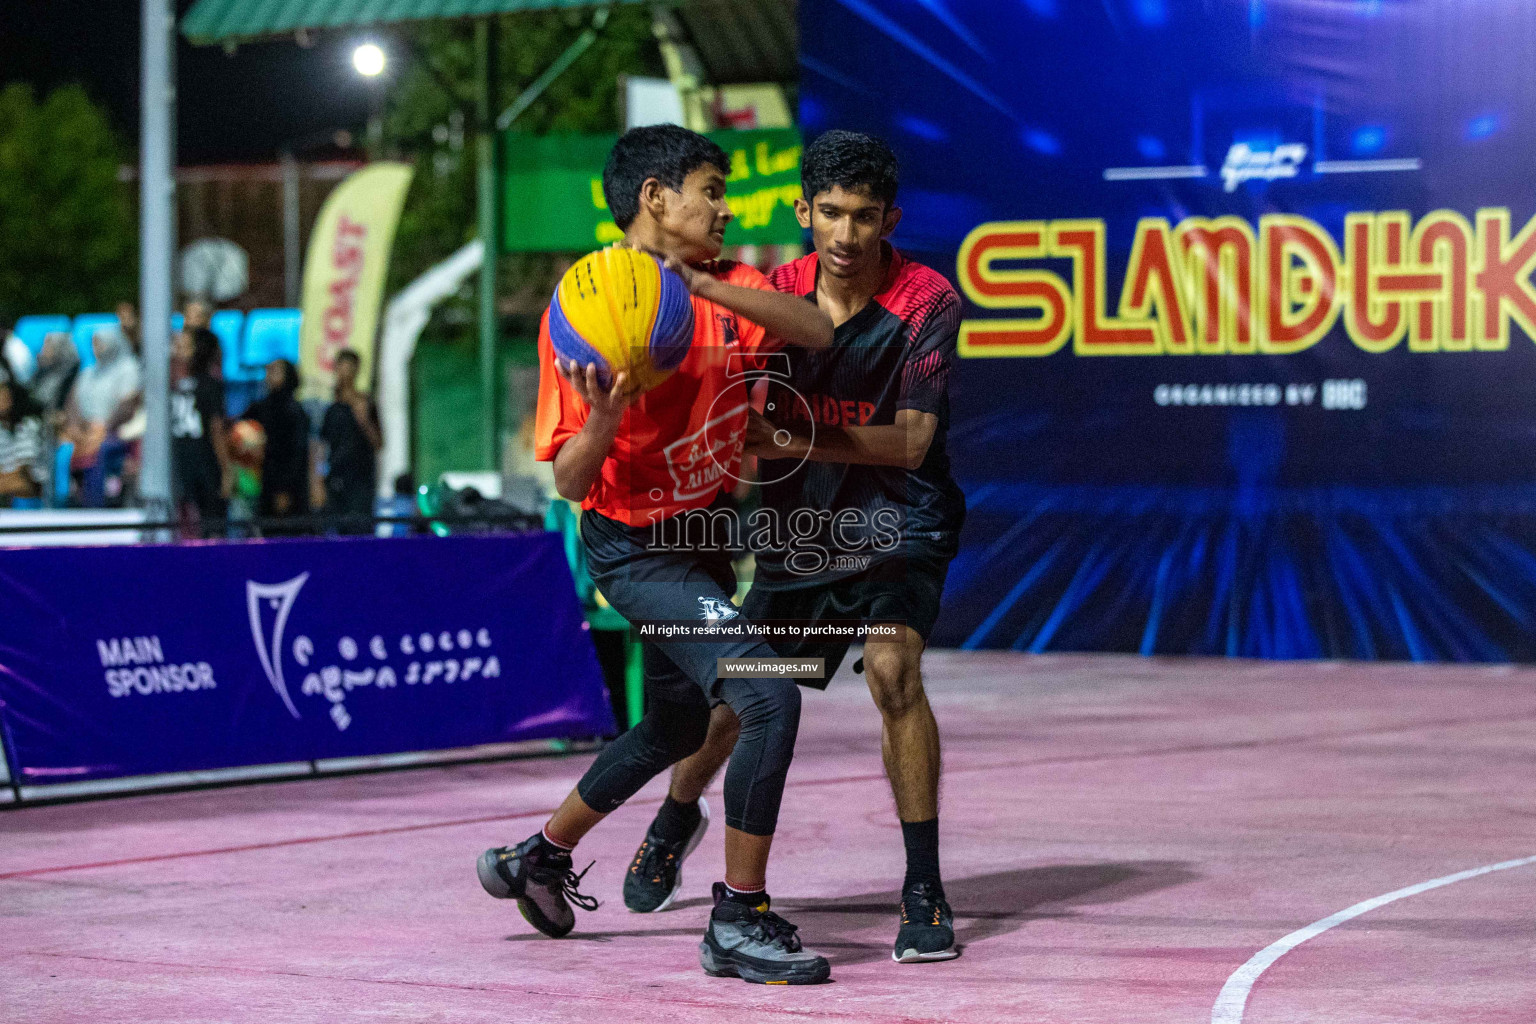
(787, 317)
(580, 460)
(903, 443)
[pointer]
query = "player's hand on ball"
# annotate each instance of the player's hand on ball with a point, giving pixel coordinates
(603, 401)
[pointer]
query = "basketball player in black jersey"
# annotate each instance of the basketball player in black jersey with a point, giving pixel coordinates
(855, 472)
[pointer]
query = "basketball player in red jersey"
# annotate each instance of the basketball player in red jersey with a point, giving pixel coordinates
(635, 461)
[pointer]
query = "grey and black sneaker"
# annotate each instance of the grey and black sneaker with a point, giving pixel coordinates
(656, 873)
(540, 878)
(927, 926)
(755, 944)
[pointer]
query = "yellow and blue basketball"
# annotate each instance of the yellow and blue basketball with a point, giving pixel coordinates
(622, 311)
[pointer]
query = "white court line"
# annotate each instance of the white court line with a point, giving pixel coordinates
(1153, 173)
(1412, 163)
(1234, 994)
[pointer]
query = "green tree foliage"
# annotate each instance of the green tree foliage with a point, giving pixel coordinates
(67, 235)
(431, 116)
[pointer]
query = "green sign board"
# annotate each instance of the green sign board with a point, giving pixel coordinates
(552, 190)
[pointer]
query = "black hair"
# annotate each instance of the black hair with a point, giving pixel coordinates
(22, 404)
(852, 160)
(349, 355)
(206, 352)
(665, 152)
(291, 379)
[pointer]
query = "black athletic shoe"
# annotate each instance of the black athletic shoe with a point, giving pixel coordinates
(656, 873)
(927, 926)
(540, 878)
(755, 944)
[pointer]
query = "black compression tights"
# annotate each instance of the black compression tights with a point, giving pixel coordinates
(769, 710)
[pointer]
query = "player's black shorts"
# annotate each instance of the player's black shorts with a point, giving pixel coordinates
(647, 577)
(646, 580)
(904, 589)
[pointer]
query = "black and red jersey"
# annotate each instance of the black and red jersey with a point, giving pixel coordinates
(894, 354)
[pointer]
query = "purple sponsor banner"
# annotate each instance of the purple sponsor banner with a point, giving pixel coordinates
(138, 660)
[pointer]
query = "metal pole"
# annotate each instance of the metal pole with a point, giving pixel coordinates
(486, 199)
(157, 244)
(291, 257)
(536, 88)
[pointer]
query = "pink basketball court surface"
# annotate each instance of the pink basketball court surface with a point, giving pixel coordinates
(1126, 841)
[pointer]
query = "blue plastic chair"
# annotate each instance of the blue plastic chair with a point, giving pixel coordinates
(86, 326)
(398, 505)
(271, 334)
(33, 329)
(60, 483)
(226, 323)
(239, 395)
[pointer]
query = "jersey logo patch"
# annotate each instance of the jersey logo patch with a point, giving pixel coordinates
(712, 609)
(701, 460)
(728, 333)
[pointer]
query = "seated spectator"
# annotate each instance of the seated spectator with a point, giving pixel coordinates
(57, 364)
(21, 444)
(105, 396)
(285, 459)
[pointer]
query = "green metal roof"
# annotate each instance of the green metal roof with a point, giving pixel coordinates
(744, 40)
(218, 21)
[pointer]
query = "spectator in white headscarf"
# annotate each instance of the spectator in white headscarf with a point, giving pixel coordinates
(58, 363)
(104, 397)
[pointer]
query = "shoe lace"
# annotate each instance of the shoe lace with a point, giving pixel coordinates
(655, 861)
(923, 901)
(569, 880)
(773, 929)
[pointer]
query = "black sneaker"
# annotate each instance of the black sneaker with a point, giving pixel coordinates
(755, 944)
(927, 926)
(656, 873)
(540, 878)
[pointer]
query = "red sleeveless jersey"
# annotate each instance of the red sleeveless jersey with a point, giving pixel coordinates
(681, 442)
